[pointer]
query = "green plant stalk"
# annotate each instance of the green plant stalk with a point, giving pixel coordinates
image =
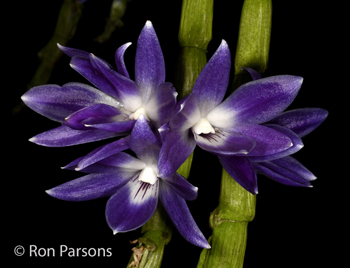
(236, 208)
(114, 21)
(194, 36)
(253, 40)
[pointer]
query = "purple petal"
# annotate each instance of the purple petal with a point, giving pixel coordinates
(296, 141)
(73, 164)
(282, 172)
(242, 171)
(294, 165)
(57, 102)
(126, 89)
(111, 124)
(301, 121)
(72, 52)
(181, 186)
(119, 60)
(163, 131)
(176, 148)
(85, 67)
(255, 75)
(143, 142)
(161, 107)
(149, 61)
(179, 213)
(104, 152)
(91, 186)
(268, 141)
(66, 136)
(118, 163)
(132, 206)
(97, 110)
(225, 143)
(211, 84)
(187, 115)
(256, 102)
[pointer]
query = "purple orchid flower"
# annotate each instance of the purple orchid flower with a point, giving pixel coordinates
(280, 167)
(134, 185)
(287, 170)
(111, 109)
(232, 127)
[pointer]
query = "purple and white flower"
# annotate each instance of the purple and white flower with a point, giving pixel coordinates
(112, 106)
(287, 170)
(135, 185)
(232, 127)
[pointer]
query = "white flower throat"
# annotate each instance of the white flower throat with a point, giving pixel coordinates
(149, 175)
(203, 127)
(135, 115)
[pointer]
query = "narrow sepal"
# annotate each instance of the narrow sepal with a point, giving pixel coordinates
(127, 91)
(297, 144)
(181, 186)
(143, 142)
(283, 172)
(256, 102)
(267, 140)
(179, 213)
(301, 121)
(149, 61)
(66, 136)
(176, 148)
(122, 126)
(242, 171)
(103, 152)
(254, 74)
(212, 82)
(73, 52)
(91, 186)
(84, 66)
(99, 110)
(119, 60)
(294, 165)
(56, 103)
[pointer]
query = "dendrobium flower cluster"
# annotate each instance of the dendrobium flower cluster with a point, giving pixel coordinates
(248, 131)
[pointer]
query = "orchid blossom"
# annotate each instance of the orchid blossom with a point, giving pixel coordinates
(134, 185)
(112, 107)
(233, 127)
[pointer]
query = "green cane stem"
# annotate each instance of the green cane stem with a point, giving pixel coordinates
(194, 36)
(236, 208)
(114, 21)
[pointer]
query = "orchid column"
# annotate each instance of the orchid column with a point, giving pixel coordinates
(236, 208)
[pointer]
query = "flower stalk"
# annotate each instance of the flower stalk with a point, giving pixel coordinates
(114, 20)
(236, 208)
(194, 36)
(254, 40)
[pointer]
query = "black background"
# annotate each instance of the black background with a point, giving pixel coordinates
(292, 227)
